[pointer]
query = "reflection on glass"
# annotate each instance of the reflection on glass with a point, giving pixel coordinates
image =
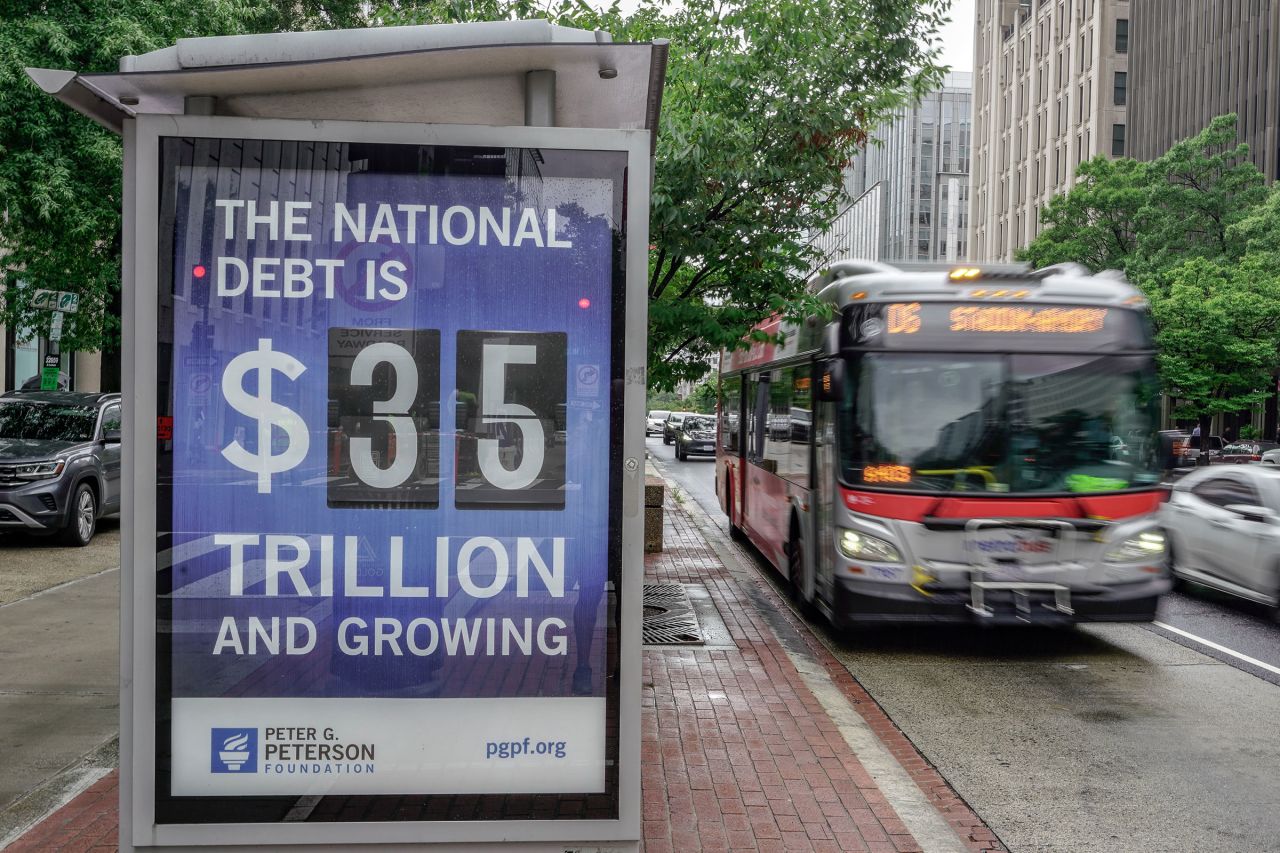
(46, 422)
(1001, 423)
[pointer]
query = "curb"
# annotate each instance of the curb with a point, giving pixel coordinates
(43, 801)
(826, 676)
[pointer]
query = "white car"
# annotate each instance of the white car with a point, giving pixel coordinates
(653, 424)
(1222, 525)
(1271, 457)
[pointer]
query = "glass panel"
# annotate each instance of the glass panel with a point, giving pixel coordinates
(999, 423)
(730, 413)
(391, 511)
(40, 421)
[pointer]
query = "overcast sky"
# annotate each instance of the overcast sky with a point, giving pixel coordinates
(957, 37)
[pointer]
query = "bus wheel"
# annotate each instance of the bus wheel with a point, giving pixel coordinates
(795, 569)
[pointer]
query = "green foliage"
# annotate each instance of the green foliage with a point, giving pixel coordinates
(1096, 223)
(704, 397)
(1198, 190)
(664, 400)
(1197, 230)
(1191, 202)
(766, 101)
(60, 186)
(1217, 324)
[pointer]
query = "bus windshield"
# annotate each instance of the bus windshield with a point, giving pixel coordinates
(1005, 423)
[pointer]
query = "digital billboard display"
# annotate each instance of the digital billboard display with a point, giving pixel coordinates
(388, 508)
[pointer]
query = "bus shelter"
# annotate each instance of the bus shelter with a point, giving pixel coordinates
(384, 348)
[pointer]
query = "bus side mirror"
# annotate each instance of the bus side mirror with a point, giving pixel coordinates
(831, 381)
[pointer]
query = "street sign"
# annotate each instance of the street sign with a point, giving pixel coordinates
(49, 378)
(55, 300)
(52, 359)
(55, 326)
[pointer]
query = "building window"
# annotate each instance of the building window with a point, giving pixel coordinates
(1117, 140)
(1122, 35)
(1121, 89)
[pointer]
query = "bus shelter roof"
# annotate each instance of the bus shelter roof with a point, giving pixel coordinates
(440, 73)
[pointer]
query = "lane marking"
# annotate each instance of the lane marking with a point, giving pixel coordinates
(1226, 651)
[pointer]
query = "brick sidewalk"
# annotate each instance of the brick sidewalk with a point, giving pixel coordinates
(736, 754)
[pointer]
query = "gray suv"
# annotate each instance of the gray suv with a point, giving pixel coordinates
(59, 462)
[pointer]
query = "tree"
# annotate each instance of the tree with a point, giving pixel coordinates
(1199, 189)
(1217, 326)
(59, 172)
(766, 102)
(1096, 222)
(1145, 218)
(704, 397)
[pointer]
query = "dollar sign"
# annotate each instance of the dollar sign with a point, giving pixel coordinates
(265, 412)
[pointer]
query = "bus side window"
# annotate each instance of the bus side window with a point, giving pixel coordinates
(731, 413)
(777, 445)
(758, 414)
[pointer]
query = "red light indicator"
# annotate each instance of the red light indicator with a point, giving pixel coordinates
(584, 303)
(199, 271)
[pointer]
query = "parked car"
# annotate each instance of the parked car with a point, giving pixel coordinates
(653, 423)
(1241, 452)
(1271, 457)
(1212, 448)
(1222, 528)
(696, 436)
(59, 462)
(671, 424)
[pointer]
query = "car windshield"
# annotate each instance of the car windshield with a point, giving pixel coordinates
(45, 421)
(696, 424)
(1000, 423)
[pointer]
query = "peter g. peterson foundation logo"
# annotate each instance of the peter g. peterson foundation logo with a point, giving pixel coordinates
(234, 751)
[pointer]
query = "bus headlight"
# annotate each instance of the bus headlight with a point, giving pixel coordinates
(1148, 545)
(860, 546)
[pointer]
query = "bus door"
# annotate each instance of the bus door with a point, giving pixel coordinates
(823, 489)
(729, 474)
(755, 481)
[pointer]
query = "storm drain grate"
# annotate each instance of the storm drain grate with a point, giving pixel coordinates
(669, 618)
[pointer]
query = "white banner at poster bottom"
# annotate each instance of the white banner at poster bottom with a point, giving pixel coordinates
(248, 747)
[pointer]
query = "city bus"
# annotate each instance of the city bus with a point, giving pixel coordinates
(970, 444)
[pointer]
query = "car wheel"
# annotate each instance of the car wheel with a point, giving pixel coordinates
(1178, 583)
(84, 518)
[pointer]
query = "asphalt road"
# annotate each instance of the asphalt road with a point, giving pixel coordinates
(1106, 737)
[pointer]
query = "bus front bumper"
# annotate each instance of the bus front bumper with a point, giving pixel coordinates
(861, 602)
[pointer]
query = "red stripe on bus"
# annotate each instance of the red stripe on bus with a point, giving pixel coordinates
(916, 507)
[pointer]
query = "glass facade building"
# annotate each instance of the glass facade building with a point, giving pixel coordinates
(908, 190)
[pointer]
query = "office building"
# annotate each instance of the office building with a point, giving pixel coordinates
(1050, 91)
(908, 189)
(1209, 58)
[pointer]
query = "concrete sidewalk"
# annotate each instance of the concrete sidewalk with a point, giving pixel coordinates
(759, 742)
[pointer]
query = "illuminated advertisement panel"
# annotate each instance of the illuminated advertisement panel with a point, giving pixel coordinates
(387, 493)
